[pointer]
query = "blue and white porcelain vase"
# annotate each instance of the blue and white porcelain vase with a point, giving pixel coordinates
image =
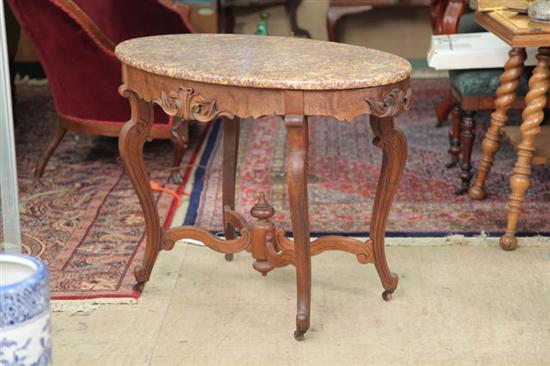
(24, 311)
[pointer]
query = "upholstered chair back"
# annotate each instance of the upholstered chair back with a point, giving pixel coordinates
(75, 40)
(125, 19)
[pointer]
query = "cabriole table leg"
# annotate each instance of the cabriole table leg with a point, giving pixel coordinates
(231, 129)
(297, 135)
(532, 115)
(393, 143)
(130, 144)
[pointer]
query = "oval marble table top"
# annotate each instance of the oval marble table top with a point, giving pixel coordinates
(263, 62)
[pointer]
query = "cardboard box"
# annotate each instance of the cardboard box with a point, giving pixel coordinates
(471, 51)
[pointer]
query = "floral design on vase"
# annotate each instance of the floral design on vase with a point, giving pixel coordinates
(24, 312)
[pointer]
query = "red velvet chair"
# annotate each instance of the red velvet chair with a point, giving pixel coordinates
(75, 41)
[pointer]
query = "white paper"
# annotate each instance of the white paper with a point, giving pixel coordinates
(471, 51)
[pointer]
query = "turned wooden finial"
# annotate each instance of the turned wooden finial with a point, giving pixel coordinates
(262, 210)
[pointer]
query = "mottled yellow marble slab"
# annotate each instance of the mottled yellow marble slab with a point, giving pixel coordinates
(263, 62)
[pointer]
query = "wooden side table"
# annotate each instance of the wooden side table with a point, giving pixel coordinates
(519, 32)
(206, 76)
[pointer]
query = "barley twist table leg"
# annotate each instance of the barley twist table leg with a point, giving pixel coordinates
(297, 135)
(533, 114)
(394, 146)
(230, 151)
(132, 138)
(506, 94)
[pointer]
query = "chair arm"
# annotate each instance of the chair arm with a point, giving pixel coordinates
(446, 14)
(87, 24)
(182, 10)
(437, 8)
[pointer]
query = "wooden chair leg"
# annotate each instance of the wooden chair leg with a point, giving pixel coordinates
(297, 135)
(180, 139)
(444, 108)
(228, 21)
(335, 13)
(393, 143)
(231, 129)
(467, 136)
(506, 94)
(454, 136)
(532, 116)
(58, 134)
(291, 7)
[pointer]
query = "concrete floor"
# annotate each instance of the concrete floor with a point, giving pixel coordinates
(454, 305)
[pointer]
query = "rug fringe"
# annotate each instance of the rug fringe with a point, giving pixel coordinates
(87, 305)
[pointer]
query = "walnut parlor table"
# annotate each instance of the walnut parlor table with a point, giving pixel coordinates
(205, 76)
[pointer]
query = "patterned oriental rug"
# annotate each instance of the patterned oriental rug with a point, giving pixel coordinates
(343, 172)
(83, 217)
(84, 221)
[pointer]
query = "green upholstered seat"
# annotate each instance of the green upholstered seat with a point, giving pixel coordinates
(481, 82)
(484, 82)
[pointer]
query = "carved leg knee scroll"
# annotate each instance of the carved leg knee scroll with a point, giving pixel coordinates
(132, 138)
(506, 94)
(230, 152)
(532, 116)
(297, 134)
(394, 146)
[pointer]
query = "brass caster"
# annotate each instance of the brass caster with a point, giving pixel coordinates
(299, 335)
(229, 257)
(387, 295)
